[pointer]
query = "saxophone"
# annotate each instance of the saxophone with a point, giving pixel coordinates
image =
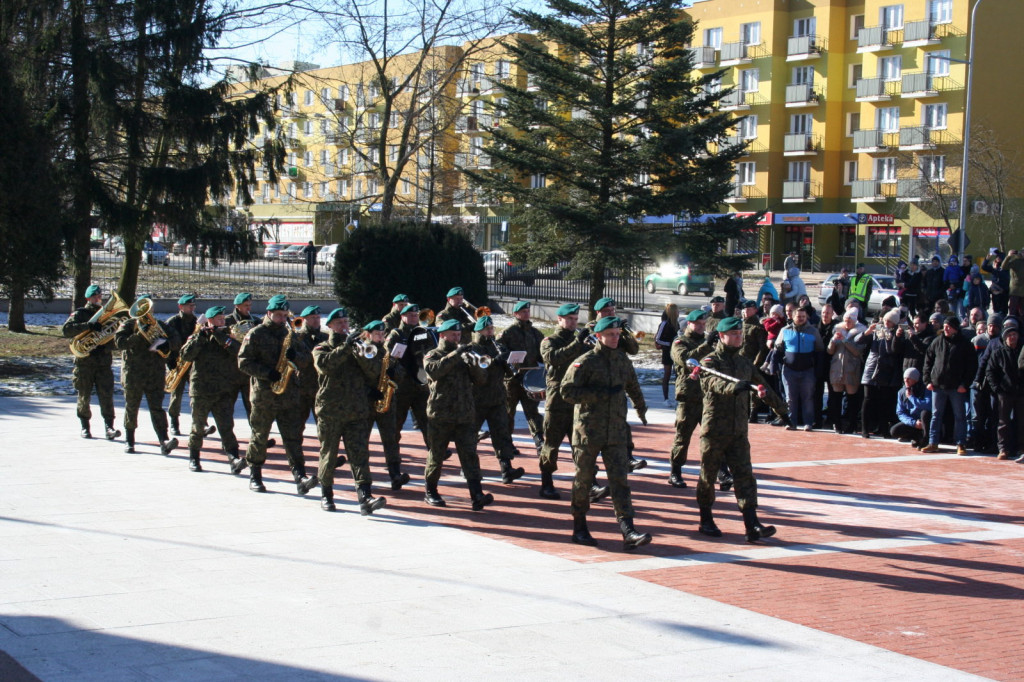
(284, 366)
(385, 385)
(181, 368)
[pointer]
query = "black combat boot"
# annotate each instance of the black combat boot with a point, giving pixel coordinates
(210, 430)
(397, 476)
(175, 428)
(580, 533)
(547, 486)
(432, 497)
(631, 537)
(129, 441)
(303, 484)
(724, 479)
(675, 479)
(86, 433)
(483, 435)
(598, 492)
(236, 461)
(167, 445)
(367, 502)
(193, 460)
(479, 497)
(707, 524)
(510, 473)
(256, 479)
(271, 442)
(111, 432)
(636, 464)
(327, 499)
(755, 531)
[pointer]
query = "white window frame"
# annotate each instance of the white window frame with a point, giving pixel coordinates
(935, 116)
(890, 17)
(887, 119)
(885, 169)
(940, 12)
(801, 124)
(747, 127)
(502, 69)
(538, 181)
(746, 173)
(932, 168)
(850, 172)
(750, 33)
(803, 75)
(406, 186)
(342, 188)
(343, 157)
(325, 94)
(936, 63)
(343, 93)
(308, 99)
(293, 158)
(324, 157)
(850, 118)
(856, 73)
(799, 171)
(392, 153)
(307, 127)
(807, 26)
(307, 158)
(890, 68)
(857, 22)
(713, 38)
(750, 80)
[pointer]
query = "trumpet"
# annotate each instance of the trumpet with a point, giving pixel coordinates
(147, 325)
(481, 360)
(364, 348)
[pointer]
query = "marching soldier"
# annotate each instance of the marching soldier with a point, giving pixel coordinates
(344, 408)
(387, 426)
(459, 310)
(214, 363)
(183, 324)
(242, 313)
(691, 344)
(265, 356)
(452, 415)
(717, 313)
(724, 428)
(522, 336)
(142, 373)
(409, 343)
(93, 370)
(594, 384)
(310, 335)
(489, 398)
(394, 316)
(755, 346)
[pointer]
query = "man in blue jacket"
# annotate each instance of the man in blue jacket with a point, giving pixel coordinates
(914, 410)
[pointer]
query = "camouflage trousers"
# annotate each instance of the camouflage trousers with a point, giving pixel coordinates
(415, 400)
(443, 433)
(687, 417)
(497, 424)
(387, 428)
(308, 403)
(154, 401)
(86, 377)
(174, 406)
(242, 389)
(356, 434)
(557, 427)
(516, 395)
(285, 411)
(734, 450)
(617, 467)
(222, 406)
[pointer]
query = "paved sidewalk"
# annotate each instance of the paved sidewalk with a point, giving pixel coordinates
(129, 567)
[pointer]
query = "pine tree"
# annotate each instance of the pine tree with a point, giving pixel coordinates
(612, 128)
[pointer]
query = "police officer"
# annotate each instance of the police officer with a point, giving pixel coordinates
(724, 428)
(694, 344)
(262, 356)
(310, 335)
(489, 398)
(459, 310)
(394, 316)
(94, 370)
(451, 412)
(344, 408)
(183, 324)
(522, 336)
(595, 384)
(860, 287)
(211, 386)
(409, 343)
(142, 374)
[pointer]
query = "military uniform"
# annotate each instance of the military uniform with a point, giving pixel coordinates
(183, 325)
(307, 374)
(94, 370)
(213, 354)
(142, 374)
(689, 398)
(755, 349)
(387, 426)
(464, 314)
(489, 399)
(522, 336)
(411, 392)
(392, 320)
(240, 380)
(713, 320)
(558, 352)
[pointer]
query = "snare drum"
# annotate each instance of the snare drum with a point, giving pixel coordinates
(534, 384)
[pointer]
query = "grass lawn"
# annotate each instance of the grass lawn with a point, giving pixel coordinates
(38, 342)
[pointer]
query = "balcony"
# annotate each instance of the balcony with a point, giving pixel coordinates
(465, 124)
(336, 137)
(801, 144)
(920, 33)
(921, 138)
(870, 191)
(735, 53)
(876, 39)
(703, 57)
(875, 89)
(799, 191)
(799, 48)
(802, 95)
(911, 189)
(740, 193)
(472, 160)
(871, 141)
(922, 84)
(738, 100)
(291, 142)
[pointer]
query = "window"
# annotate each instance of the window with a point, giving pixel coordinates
(291, 189)
(883, 240)
(940, 11)
(850, 173)
(713, 38)
(800, 124)
(847, 241)
(538, 181)
(266, 191)
(476, 108)
(308, 158)
(342, 157)
(852, 123)
(358, 189)
(292, 158)
(323, 126)
(406, 187)
(344, 123)
(891, 17)
(799, 171)
(803, 75)
(804, 27)
(392, 153)
(856, 24)
(932, 168)
(856, 73)
(307, 127)
(374, 121)
(343, 93)
(371, 186)
(325, 94)
(934, 116)
(393, 120)
(308, 101)
(324, 157)
(293, 130)
(374, 90)
(885, 169)
(476, 72)
(750, 33)
(713, 86)
(747, 128)
(887, 119)
(502, 69)
(748, 241)
(749, 80)
(342, 188)
(890, 68)
(746, 173)
(277, 191)
(476, 145)
(937, 62)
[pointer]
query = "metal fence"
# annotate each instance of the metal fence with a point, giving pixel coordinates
(626, 287)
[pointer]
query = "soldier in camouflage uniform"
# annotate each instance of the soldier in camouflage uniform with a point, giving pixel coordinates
(489, 398)
(310, 335)
(691, 344)
(459, 310)
(412, 391)
(717, 313)
(522, 336)
(243, 313)
(394, 317)
(142, 373)
(344, 407)
(452, 414)
(214, 362)
(387, 422)
(754, 348)
(594, 384)
(93, 370)
(183, 324)
(260, 357)
(724, 428)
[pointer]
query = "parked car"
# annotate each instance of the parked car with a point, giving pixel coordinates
(498, 267)
(883, 286)
(293, 253)
(272, 251)
(179, 248)
(114, 244)
(155, 253)
(325, 256)
(680, 279)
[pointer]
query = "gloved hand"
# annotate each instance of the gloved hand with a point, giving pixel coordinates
(744, 386)
(642, 413)
(274, 375)
(290, 353)
(95, 326)
(713, 336)
(582, 334)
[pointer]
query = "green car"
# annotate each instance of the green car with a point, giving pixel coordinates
(679, 279)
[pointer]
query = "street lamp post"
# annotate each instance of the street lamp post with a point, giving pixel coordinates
(967, 132)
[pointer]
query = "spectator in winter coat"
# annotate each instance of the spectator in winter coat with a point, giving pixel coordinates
(913, 410)
(767, 288)
(882, 374)
(953, 280)
(840, 291)
(917, 343)
(999, 281)
(667, 332)
(949, 368)
(976, 293)
(1003, 374)
(933, 289)
(1014, 262)
(793, 287)
(801, 343)
(845, 371)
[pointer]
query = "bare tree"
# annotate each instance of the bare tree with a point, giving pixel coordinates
(995, 177)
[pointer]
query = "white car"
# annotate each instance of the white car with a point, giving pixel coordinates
(498, 267)
(325, 256)
(883, 287)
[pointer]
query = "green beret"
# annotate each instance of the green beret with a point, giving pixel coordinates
(482, 323)
(520, 305)
(401, 298)
(336, 314)
(569, 309)
(750, 303)
(92, 290)
(729, 324)
(213, 311)
(455, 291)
(242, 298)
(186, 299)
(717, 299)
(279, 302)
(604, 303)
(411, 308)
(696, 315)
(310, 310)
(449, 325)
(608, 323)
(374, 326)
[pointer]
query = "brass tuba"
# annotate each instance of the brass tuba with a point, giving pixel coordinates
(142, 312)
(240, 329)
(110, 316)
